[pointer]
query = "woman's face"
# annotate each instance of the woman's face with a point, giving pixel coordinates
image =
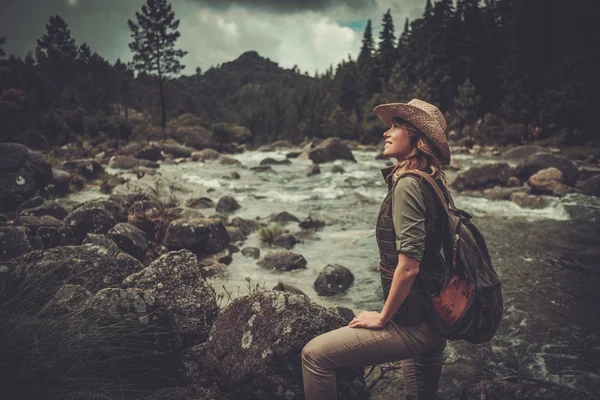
(397, 143)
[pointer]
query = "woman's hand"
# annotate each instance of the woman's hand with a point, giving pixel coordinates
(368, 319)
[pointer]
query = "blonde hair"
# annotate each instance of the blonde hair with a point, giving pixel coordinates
(425, 159)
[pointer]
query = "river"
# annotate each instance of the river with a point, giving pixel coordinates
(547, 259)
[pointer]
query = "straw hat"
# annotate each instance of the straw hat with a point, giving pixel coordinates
(425, 117)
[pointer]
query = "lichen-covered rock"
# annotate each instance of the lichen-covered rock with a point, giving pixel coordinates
(66, 300)
(344, 312)
(40, 273)
(330, 150)
(525, 200)
(253, 252)
(176, 281)
(32, 224)
(82, 221)
(227, 204)
(545, 180)
(283, 218)
(50, 236)
(129, 239)
(15, 187)
(13, 242)
(541, 161)
(202, 236)
(516, 388)
(284, 287)
(333, 279)
(485, 176)
(283, 260)
(102, 241)
(254, 346)
(49, 207)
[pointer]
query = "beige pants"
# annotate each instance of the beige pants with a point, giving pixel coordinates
(418, 346)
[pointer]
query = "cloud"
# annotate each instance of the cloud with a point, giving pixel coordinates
(285, 6)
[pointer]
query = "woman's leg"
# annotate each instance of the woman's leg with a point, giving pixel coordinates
(422, 373)
(358, 347)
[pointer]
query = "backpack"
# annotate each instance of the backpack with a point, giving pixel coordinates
(469, 304)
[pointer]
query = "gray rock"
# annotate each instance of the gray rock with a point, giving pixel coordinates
(283, 260)
(88, 168)
(67, 299)
(520, 389)
(86, 220)
(591, 187)
(344, 312)
(130, 239)
(330, 150)
(235, 234)
(102, 241)
(262, 168)
(504, 193)
(151, 152)
(176, 281)
(16, 187)
(227, 204)
(49, 207)
(201, 236)
(202, 202)
(314, 170)
(284, 287)
(333, 279)
(247, 226)
(283, 218)
(255, 344)
(337, 169)
(287, 241)
(525, 200)
(13, 242)
(60, 183)
(272, 161)
(32, 224)
(205, 155)
(253, 252)
(51, 236)
(33, 202)
(40, 273)
(229, 161)
(177, 150)
(483, 177)
(520, 153)
(538, 162)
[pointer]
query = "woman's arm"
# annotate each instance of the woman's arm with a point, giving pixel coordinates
(404, 276)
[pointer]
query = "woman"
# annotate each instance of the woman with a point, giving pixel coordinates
(409, 236)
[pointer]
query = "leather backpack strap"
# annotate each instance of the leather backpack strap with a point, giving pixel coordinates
(436, 189)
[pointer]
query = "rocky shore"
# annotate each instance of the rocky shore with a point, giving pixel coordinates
(78, 279)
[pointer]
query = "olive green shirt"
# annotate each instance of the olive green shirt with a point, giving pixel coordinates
(408, 216)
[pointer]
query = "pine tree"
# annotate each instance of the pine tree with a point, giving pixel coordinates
(56, 44)
(153, 45)
(2, 53)
(84, 53)
(386, 52)
(467, 107)
(367, 76)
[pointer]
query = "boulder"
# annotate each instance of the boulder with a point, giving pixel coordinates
(344, 312)
(194, 136)
(229, 161)
(86, 220)
(88, 168)
(13, 242)
(337, 169)
(66, 300)
(102, 241)
(205, 155)
(202, 236)
(39, 274)
(130, 239)
(61, 180)
(513, 181)
(541, 161)
(253, 252)
(177, 150)
(312, 224)
(517, 388)
(504, 193)
(283, 260)
(293, 154)
(49, 207)
(176, 281)
(313, 170)
(591, 187)
(272, 161)
(284, 287)
(333, 279)
(247, 226)
(235, 234)
(151, 152)
(227, 204)
(286, 240)
(330, 150)
(483, 177)
(16, 187)
(254, 347)
(546, 180)
(202, 202)
(521, 153)
(32, 224)
(230, 133)
(283, 218)
(33, 202)
(525, 200)
(50, 236)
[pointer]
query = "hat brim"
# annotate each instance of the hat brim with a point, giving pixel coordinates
(421, 120)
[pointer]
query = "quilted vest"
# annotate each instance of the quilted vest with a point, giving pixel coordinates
(432, 266)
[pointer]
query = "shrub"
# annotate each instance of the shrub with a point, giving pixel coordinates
(269, 233)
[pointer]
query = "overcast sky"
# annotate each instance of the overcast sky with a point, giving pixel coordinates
(311, 34)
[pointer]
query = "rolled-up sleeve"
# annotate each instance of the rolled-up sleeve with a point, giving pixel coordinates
(408, 214)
